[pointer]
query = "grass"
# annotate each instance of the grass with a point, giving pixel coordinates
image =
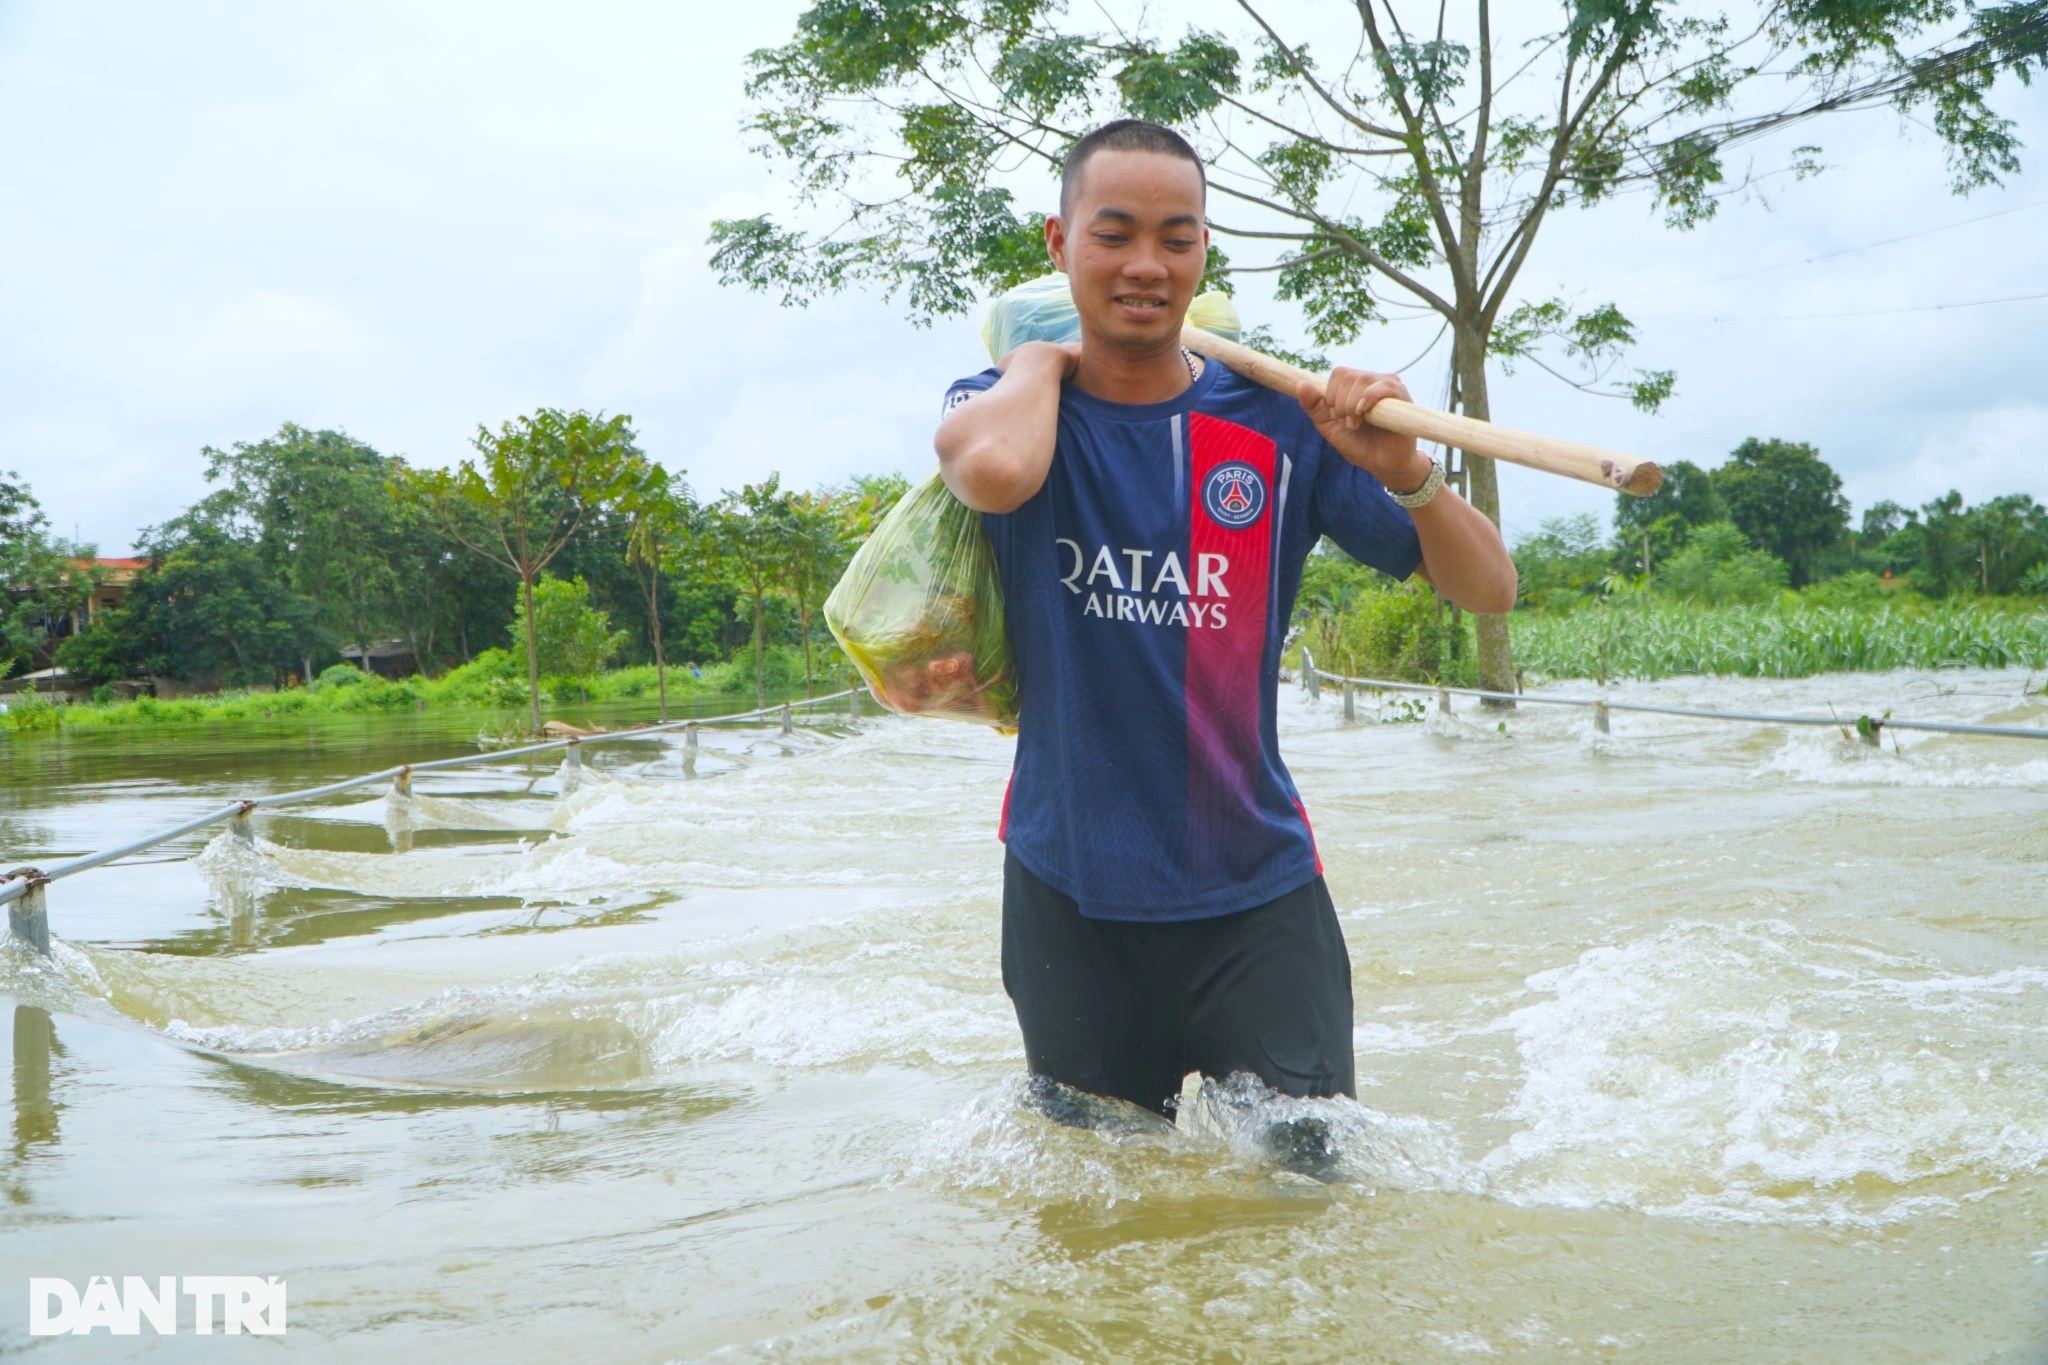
(494, 680)
(1650, 639)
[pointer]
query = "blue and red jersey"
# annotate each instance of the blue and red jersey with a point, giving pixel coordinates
(1148, 587)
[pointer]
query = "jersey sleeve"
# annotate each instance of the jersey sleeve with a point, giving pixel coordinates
(963, 389)
(1353, 508)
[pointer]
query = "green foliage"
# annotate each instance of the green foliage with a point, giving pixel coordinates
(1786, 500)
(1659, 639)
(41, 578)
(27, 713)
(493, 678)
(574, 638)
(1859, 589)
(1565, 560)
(1402, 632)
(534, 482)
(1718, 565)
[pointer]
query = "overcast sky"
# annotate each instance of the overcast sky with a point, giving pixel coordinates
(405, 220)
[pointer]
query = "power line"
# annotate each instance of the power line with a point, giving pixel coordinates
(1845, 251)
(1872, 313)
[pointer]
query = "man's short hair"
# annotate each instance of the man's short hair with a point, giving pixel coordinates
(1124, 135)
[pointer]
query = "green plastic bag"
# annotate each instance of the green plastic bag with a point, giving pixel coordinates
(920, 613)
(1043, 310)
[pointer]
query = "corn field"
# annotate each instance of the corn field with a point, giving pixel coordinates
(1670, 639)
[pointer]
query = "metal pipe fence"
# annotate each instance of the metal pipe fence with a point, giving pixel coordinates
(1868, 728)
(22, 890)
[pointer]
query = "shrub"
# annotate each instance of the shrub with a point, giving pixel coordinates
(340, 675)
(1403, 633)
(1718, 565)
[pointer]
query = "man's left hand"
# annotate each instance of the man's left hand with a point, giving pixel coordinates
(1338, 404)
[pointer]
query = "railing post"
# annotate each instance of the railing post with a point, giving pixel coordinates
(29, 917)
(1600, 722)
(244, 826)
(1870, 730)
(1308, 669)
(1350, 705)
(1443, 699)
(853, 704)
(690, 747)
(572, 762)
(788, 724)
(401, 785)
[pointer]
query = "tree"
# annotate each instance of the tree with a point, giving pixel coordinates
(815, 553)
(1658, 525)
(1565, 559)
(572, 639)
(1787, 500)
(748, 544)
(42, 579)
(318, 506)
(662, 519)
(211, 607)
(1424, 166)
(535, 481)
(1719, 565)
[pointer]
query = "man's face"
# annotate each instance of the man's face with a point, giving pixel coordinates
(1133, 246)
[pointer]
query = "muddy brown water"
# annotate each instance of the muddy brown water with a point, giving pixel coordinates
(1695, 1042)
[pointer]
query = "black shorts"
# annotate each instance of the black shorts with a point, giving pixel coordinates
(1129, 1009)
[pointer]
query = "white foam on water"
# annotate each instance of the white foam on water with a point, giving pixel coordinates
(1748, 1070)
(1824, 757)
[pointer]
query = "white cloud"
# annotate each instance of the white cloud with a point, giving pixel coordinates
(405, 220)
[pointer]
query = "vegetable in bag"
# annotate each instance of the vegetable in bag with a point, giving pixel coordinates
(920, 613)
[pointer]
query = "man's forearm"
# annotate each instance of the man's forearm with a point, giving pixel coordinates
(1463, 555)
(994, 450)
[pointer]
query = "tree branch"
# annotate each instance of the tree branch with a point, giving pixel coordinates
(1418, 149)
(1342, 110)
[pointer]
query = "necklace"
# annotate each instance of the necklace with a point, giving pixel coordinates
(1189, 357)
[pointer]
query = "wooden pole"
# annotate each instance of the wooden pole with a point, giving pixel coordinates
(1608, 468)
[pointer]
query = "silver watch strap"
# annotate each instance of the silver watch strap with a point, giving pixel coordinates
(1421, 496)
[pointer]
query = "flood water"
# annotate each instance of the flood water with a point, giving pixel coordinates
(1696, 1042)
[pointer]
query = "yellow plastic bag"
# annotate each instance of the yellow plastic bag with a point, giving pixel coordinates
(1043, 310)
(920, 613)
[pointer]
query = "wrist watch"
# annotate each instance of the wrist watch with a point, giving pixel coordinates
(1421, 496)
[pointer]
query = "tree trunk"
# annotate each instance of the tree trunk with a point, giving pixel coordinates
(307, 678)
(532, 652)
(760, 694)
(654, 633)
(1468, 359)
(804, 623)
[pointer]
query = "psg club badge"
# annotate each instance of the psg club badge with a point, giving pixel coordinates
(1234, 495)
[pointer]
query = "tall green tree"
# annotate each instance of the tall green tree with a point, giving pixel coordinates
(1787, 500)
(816, 550)
(662, 519)
(1650, 530)
(535, 479)
(1394, 160)
(318, 506)
(748, 540)
(42, 579)
(211, 607)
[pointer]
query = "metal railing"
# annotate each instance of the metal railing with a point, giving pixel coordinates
(22, 890)
(1869, 729)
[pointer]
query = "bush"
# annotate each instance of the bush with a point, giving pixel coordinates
(1404, 634)
(573, 638)
(1718, 565)
(26, 711)
(493, 678)
(1859, 589)
(340, 675)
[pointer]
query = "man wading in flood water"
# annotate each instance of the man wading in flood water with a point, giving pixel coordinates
(1163, 905)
